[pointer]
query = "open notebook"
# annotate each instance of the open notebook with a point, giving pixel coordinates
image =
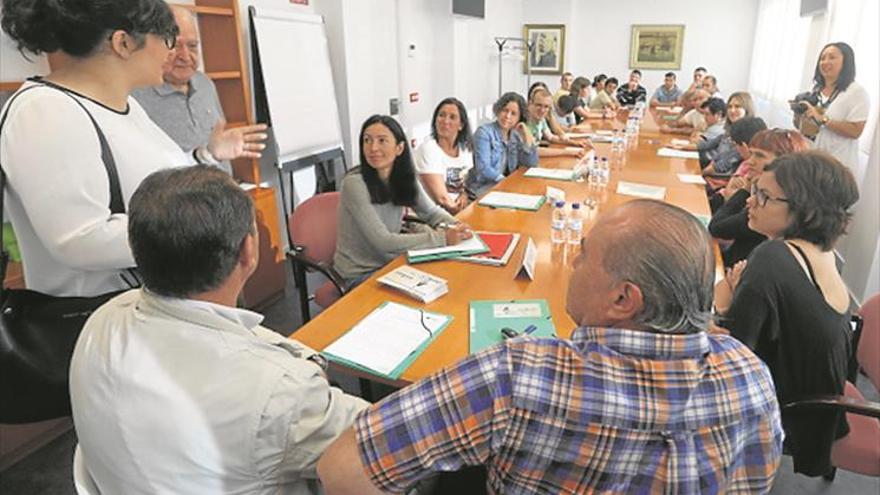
(388, 340)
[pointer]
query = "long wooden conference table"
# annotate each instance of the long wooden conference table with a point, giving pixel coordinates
(471, 281)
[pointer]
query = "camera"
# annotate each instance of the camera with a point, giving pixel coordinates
(797, 105)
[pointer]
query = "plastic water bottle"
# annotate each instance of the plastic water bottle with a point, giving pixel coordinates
(593, 172)
(604, 172)
(575, 224)
(557, 223)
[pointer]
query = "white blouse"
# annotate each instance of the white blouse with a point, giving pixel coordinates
(57, 191)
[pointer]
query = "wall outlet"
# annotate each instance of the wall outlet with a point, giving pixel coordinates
(394, 106)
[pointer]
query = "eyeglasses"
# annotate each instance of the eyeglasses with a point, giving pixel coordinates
(761, 196)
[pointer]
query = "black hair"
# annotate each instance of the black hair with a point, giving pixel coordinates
(820, 192)
(463, 139)
(534, 85)
(578, 84)
(701, 68)
(612, 80)
(508, 97)
(669, 74)
(401, 189)
(599, 79)
(715, 106)
(847, 72)
(636, 71)
(743, 130)
(186, 227)
(566, 104)
(79, 27)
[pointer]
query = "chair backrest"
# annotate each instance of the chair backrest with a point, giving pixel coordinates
(868, 352)
(312, 226)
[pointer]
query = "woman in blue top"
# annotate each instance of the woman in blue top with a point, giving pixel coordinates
(501, 146)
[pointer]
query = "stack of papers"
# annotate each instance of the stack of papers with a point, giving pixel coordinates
(388, 340)
(674, 153)
(470, 246)
(499, 199)
(550, 173)
(680, 142)
(501, 247)
(641, 190)
(415, 283)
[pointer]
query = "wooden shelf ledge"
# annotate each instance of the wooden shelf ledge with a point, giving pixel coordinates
(231, 74)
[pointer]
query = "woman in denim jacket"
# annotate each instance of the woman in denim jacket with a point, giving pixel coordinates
(501, 146)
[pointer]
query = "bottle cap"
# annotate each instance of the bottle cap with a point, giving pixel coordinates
(560, 204)
(575, 206)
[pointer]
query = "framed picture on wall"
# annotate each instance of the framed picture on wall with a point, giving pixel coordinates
(547, 55)
(656, 46)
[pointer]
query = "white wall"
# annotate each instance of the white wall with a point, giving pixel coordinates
(717, 35)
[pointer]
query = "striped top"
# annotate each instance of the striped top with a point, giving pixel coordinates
(611, 410)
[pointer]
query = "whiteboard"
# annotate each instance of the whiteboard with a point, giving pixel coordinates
(298, 80)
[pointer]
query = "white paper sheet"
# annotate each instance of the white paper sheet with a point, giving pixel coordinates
(691, 178)
(641, 190)
(674, 153)
(387, 336)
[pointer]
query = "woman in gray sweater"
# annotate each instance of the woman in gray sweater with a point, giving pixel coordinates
(372, 205)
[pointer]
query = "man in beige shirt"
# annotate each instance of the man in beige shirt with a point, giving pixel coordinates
(173, 388)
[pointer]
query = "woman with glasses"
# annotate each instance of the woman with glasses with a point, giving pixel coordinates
(788, 303)
(730, 221)
(57, 183)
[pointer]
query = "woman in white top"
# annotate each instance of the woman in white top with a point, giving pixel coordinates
(843, 104)
(57, 190)
(443, 160)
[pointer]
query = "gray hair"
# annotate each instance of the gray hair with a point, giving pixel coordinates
(668, 254)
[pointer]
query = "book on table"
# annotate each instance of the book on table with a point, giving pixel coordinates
(516, 201)
(487, 318)
(415, 283)
(388, 340)
(550, 173)
(474, 245)
(501, 247)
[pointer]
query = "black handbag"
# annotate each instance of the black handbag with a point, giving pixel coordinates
(38, 331)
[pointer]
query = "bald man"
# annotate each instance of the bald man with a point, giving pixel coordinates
(187, 107)
(640, 399)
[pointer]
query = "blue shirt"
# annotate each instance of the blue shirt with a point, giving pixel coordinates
(495, 158)
(663, 95)
(611, 410)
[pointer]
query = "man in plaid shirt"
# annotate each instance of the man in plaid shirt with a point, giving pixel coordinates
(641, 399)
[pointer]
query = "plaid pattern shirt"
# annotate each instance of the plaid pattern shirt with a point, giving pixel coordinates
(611, 410)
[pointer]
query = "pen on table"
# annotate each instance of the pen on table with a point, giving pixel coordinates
(530, 329)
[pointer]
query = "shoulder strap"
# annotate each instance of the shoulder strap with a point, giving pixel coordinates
(116, 203)
(803, 256)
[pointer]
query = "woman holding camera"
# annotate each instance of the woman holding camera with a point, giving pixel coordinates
(837, 105)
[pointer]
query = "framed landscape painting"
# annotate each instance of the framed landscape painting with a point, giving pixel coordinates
(656, 47)
(547, 55)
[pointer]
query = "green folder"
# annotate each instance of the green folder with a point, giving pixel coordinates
(535, 208)
(395, 374)
(448, 255)
(487, 319)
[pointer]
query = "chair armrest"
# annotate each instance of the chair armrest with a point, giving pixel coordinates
(297, 255)
(841, 402)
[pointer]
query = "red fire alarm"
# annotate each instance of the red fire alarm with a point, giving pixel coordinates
(413, 97)
(300, 2)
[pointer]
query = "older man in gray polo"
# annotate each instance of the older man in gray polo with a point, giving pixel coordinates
(186, 106)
